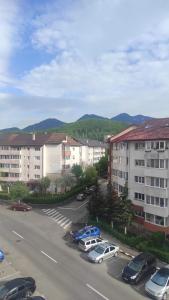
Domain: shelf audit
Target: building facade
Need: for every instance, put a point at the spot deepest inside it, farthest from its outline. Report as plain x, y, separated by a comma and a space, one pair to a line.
140, 157
26, 157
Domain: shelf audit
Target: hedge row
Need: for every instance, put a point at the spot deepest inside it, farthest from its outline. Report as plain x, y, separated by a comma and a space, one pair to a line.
138, 242
53, 199
4, 196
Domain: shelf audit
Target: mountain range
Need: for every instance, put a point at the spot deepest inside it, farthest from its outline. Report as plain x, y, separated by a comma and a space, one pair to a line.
50, 124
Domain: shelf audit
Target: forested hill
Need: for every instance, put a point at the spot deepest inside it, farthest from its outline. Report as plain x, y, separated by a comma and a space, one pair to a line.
93, 129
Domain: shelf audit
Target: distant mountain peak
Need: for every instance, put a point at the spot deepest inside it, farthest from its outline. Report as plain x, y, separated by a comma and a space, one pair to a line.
91, 116
44, 125
126, 118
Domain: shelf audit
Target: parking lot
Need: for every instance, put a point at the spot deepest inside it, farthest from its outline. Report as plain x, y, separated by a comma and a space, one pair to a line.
112, 266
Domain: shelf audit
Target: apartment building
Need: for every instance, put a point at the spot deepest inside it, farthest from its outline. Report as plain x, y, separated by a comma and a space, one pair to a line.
140, 157
28, 157
91, 151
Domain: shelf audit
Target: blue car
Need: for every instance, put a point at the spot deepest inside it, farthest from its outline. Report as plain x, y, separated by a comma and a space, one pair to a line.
2, 255
87, 231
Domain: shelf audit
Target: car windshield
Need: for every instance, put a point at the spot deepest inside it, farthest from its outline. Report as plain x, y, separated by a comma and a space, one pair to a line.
3, 291
160, 278
81, 231
99, 249
135, 266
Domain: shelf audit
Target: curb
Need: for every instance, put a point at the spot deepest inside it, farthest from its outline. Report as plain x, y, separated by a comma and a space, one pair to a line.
126, 253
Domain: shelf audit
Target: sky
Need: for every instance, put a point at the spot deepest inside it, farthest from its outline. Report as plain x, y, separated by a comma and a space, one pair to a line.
66, 58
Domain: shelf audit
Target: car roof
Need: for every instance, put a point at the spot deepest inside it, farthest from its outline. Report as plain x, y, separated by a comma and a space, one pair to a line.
143, 256
164, 271
106, 244
90, 227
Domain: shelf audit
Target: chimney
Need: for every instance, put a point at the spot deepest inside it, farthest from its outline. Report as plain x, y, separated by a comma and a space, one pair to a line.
33, 136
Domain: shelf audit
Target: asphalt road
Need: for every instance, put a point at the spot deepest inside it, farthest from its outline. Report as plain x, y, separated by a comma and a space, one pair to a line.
37, 248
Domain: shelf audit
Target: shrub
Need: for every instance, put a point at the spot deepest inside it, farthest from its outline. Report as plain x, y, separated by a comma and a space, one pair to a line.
4, 196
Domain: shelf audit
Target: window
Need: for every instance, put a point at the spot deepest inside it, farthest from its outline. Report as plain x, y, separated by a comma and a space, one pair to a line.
157, 201
157, 182
139, 162
37, 157
139, 196
157, 163
37, 167
154, 219
37, 176
139, 179
139, 213
148, 146
107, 250
37, 148
139, 146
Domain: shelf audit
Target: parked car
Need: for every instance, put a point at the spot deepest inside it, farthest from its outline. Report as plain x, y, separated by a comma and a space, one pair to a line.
90, 242
102, 252
2, 255
20, 206
158, 285
140, 266
17, 288
87, 231
33, 298
80, 197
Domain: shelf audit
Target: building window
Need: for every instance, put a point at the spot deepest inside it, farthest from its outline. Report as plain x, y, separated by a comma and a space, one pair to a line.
37, 176
37, 157
139, 179
139, 196
156, 145
139, 213
139, 162
154, 219
157, 163
37, 148
139, 146
156, 201
157, 182
37, 167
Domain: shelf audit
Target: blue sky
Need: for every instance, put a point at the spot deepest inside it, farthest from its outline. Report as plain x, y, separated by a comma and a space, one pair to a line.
65, 58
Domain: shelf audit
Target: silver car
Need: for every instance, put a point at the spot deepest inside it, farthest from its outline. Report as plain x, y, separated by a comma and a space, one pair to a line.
158, 285
102, 252
90, 242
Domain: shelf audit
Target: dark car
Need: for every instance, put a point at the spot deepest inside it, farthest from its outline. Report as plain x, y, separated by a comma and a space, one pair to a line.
17, 288
140, 266
87, 231
20, 206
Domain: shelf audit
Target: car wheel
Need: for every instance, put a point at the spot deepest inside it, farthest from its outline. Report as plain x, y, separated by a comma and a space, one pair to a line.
28, 293
165, 296
100, 260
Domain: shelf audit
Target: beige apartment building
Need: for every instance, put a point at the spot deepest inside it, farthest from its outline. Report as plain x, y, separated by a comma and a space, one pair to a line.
26, 157
140, 157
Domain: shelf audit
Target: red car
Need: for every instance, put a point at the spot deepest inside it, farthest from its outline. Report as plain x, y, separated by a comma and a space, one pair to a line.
20, 206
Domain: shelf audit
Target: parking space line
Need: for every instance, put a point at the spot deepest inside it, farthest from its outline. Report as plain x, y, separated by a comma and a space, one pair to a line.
96, 291
18, 234
48, 256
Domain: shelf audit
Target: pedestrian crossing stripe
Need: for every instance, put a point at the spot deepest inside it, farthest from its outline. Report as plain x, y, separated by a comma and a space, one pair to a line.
57, 217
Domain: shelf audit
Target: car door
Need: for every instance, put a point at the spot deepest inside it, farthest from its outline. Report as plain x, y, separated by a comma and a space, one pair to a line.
107, 253
93, 243
112, 251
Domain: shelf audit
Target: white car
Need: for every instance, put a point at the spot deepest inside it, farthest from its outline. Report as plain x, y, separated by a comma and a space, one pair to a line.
158, 285
90, 242
102, 252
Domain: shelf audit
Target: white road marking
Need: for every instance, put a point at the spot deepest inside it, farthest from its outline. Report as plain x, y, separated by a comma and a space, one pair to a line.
50, 212
64, 218
45, 209
67, 225
66, 221
18, 234
96, 291
55, 214
49, 256
58, 218
72, 208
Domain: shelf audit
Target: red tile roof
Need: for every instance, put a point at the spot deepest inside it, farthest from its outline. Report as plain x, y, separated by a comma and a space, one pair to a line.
155, 129
26, 139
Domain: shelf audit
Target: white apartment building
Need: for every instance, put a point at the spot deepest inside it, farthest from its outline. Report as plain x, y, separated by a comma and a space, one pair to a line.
91, 151
26, 157
140, 157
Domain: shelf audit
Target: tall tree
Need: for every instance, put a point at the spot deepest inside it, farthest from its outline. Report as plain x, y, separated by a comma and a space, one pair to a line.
90, 175
96, 204
44, 184
77, 171
102, 166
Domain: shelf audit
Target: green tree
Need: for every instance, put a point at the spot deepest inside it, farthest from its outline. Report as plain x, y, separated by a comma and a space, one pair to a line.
44, 184
19, 190
112, 203
102, 166
77, 171
90, 175
68, 180
96, 204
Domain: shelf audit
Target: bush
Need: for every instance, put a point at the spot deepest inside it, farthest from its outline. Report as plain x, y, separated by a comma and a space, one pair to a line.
4, 196
52, 199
